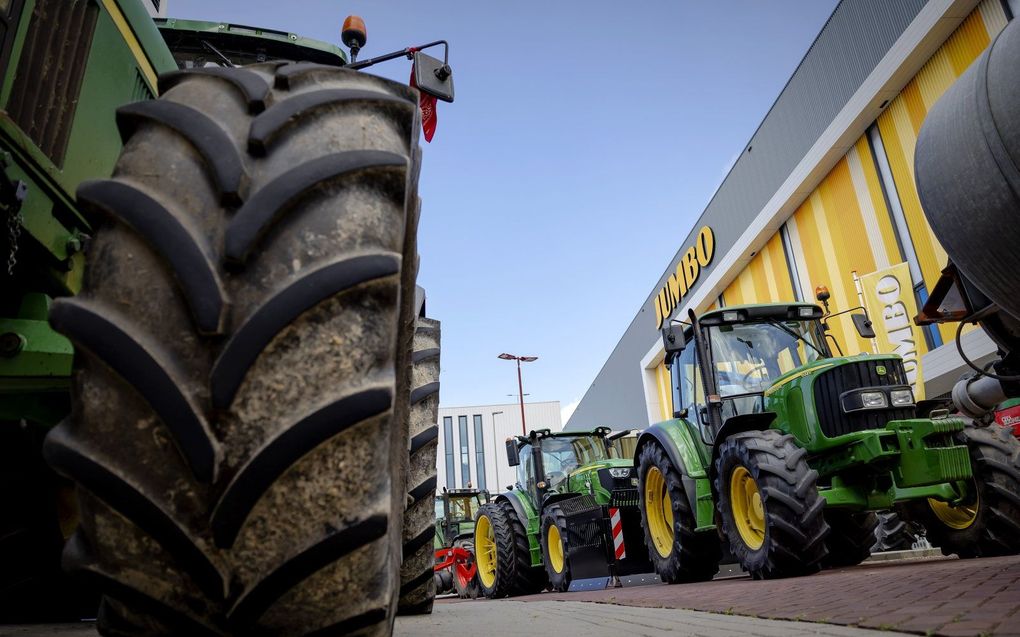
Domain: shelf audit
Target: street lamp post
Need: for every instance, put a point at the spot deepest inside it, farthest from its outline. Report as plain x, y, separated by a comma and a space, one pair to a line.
495, 448
520, 384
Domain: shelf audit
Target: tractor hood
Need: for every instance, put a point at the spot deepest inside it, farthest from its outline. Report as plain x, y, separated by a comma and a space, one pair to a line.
599, 480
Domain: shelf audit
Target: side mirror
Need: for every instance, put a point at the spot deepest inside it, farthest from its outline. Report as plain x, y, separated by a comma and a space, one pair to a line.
513, 456
863, 325
433, 76
673, 339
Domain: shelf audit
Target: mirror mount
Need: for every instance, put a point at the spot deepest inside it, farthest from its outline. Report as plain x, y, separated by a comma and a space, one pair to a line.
432, 76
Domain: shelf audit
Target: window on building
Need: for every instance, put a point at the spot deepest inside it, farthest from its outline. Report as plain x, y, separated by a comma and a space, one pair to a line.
479, 452
465, 456
448, 447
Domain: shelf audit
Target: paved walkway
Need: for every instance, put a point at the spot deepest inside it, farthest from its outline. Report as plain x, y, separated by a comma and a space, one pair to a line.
511, 618
934, 597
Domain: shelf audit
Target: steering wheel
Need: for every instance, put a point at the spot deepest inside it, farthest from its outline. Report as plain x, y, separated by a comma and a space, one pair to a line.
745, 379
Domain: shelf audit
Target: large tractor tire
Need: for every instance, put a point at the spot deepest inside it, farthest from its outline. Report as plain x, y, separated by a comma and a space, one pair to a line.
678, 553
556, 548
987, 522
893, 533
239, 432
503, 553
767, 497
417, 585
851, 536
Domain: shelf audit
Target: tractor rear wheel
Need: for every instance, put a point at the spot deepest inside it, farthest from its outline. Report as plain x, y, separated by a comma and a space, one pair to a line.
851, 536
987, 522
769, 504
556, 548
893, 533
503, 553
678, 553
242, 336
417, 588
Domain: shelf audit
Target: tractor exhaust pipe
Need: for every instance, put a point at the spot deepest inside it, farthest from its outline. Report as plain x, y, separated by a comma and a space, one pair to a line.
977, 396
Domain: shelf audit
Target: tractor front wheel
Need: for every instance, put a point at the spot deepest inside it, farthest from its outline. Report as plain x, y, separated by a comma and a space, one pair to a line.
769, 504
986, 522
556, 548
678, 553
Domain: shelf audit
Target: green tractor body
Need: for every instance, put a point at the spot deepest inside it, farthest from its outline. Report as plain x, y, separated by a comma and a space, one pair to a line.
573, 517
781, 451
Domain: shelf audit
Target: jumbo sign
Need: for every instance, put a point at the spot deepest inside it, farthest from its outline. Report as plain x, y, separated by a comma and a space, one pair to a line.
889, 296
688, 268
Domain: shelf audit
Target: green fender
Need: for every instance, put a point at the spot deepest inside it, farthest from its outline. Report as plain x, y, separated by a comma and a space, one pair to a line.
691, 457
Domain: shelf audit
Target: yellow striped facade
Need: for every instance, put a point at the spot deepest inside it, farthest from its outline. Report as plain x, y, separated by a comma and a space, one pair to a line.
844, 226
901, 122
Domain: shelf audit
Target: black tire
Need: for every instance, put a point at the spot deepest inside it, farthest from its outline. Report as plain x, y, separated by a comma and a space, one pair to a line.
559, 580
444, 581
417, 588
514, 573
692, 556
240, 422
851, 536
35, 506
794, 526
995, 529
893, 533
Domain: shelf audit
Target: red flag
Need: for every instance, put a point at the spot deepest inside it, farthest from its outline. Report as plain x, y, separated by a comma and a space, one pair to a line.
428, 110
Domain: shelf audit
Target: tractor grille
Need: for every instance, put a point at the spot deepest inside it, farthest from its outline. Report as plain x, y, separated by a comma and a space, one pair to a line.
48, 80
624, 498
579, 504
833, 382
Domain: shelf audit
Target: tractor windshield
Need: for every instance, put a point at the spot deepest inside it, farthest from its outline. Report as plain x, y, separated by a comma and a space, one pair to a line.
464, 507
560, 456
748, 357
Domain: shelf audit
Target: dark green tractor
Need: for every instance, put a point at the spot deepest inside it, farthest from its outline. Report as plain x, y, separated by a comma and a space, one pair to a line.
570, 522
783, 453
209, 313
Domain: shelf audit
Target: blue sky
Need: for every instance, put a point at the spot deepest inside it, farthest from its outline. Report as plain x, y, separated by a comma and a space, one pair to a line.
586, 138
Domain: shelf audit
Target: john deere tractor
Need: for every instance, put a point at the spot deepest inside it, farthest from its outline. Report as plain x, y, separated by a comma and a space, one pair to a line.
572, 516
782, 452
209, 264
455, 569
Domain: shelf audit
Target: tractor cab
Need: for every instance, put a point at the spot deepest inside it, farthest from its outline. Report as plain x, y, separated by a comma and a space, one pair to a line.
724, 363
455, 513
546, 461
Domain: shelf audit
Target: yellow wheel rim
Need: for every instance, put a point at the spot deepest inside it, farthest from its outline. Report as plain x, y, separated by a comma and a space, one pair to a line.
955, 517
485, 551
659, 511
748, 510
555, 547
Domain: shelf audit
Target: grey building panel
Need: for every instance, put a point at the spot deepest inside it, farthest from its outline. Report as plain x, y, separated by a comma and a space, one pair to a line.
855, 38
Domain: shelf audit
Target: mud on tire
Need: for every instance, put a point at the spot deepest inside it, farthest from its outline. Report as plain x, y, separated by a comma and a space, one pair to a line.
795, 528
693, 557
417, 585
239, 434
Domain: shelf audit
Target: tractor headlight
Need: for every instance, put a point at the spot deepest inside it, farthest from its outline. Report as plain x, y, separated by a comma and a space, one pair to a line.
901, 398
620, 473
874, 399
852, 401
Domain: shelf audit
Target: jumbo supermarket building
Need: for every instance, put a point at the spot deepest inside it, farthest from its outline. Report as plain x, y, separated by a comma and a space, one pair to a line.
823, 194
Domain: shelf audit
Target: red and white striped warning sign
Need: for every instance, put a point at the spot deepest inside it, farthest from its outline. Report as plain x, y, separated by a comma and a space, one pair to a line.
614, 521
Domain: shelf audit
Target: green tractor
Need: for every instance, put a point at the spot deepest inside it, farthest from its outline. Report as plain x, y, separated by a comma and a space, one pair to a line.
569, 520
781, 453
455, 569
209, 325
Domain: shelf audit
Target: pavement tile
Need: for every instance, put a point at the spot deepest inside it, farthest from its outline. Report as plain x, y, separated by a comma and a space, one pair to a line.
940, 595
